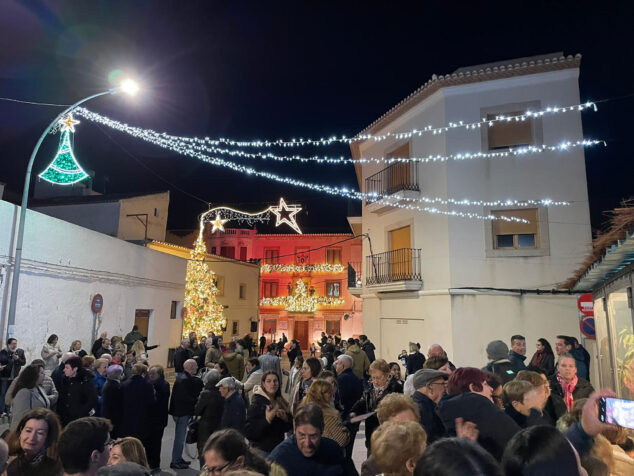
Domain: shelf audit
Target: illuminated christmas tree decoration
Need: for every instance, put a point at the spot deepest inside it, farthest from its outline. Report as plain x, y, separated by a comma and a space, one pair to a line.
218, 224
218, 216
302, 268
203, 312
64, 169
301, 300
290, 218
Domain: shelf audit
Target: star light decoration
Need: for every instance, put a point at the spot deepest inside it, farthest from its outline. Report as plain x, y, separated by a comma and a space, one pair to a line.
290, 219
218, 224
68, 124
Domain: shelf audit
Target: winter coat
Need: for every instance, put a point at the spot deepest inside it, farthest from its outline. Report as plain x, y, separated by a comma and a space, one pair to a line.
51, 355
350, 390
258, 430
581, 356
132, 336
100, 351
77, 397
209, 408
233, 413
185, 394
158, 419
429, 418
293, 354
252, 380
22, 466
534, 419
212, 356
360, 361
180, 356
138, 400
112, 405
334, 428
415, 362
25, 400
368, 403
13, 366
270, 361
57, 376
546, 363
503, 368
495, 427
235, 364
583, 389
99, 381
288, 460
368, 348
517, 360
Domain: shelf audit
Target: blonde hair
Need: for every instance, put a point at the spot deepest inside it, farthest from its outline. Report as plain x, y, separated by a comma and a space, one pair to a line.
380, 365
534, 378
393, 444
393, 404
132, 450
320, 392
138, 348
99, 362
72, 345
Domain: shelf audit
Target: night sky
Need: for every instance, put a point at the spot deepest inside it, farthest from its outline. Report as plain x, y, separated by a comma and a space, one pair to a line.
265, 69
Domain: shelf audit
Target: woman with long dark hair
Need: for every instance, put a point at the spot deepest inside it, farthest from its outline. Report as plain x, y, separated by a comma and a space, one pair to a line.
51, 353
33, 445
311, 368
543, 358
27, 393
268, 416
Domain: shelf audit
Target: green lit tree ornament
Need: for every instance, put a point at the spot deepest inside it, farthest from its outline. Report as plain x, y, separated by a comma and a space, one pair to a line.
64, 169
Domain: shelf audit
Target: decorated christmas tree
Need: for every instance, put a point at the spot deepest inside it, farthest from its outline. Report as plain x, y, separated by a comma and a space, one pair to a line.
64, 169
203, 312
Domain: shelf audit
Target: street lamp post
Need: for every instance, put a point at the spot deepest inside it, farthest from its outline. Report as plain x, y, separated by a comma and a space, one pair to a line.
127, 86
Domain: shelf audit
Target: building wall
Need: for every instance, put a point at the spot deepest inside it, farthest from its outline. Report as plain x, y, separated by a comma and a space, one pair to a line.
155, 205
454, 250
65, 265
100, 217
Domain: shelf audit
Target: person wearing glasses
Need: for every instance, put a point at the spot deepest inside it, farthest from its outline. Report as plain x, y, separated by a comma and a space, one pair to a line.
227, 450
430, 386
307, 451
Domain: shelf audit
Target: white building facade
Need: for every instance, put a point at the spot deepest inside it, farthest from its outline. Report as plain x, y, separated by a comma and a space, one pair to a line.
65, 266
430, 278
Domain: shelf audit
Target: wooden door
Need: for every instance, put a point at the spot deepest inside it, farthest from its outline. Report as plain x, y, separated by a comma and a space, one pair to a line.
301, 334
400, 258
142, 320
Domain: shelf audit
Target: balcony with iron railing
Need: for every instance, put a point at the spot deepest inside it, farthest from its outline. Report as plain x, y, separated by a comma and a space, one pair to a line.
395, 270
355, 281
397, 181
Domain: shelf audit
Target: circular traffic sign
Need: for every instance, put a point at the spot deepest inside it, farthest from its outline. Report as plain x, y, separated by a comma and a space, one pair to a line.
97, 303
587, 327
586, 304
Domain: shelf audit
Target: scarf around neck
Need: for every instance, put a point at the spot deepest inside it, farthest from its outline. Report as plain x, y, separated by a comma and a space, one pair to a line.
568, 388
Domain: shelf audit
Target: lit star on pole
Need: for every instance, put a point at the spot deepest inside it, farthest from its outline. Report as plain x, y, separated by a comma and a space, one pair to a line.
218, 224
280, 212
68, 124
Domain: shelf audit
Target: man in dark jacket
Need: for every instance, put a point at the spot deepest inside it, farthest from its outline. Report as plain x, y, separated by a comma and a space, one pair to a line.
104, 349
262, 344
500, 365
415, 359
367, 347
97, 344
566, 387
517, 354
181, 354
11, 361
581, 355
430, 386
133, 336
158, 416
185, 393
234, 411
112, 400
138, 401
209, 408
78, 396
350, 387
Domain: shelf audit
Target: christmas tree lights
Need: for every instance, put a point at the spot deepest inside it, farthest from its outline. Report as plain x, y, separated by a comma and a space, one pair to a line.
64, 169
203, 312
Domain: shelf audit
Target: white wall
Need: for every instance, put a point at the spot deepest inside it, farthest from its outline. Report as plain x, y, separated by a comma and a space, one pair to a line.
65, 265
101, 217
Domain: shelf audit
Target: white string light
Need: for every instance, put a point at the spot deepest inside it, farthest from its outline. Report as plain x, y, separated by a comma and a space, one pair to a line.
178, 146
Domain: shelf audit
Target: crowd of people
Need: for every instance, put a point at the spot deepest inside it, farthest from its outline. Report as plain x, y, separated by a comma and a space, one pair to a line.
105, 411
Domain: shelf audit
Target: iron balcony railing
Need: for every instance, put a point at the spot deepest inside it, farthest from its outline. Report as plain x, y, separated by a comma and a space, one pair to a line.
397, 265
394, 178
354, 275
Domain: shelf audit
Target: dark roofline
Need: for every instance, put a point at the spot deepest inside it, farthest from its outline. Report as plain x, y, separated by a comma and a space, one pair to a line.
88, 199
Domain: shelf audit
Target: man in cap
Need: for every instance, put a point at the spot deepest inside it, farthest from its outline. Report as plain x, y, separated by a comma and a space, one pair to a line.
499, 363
430, 386
234, 411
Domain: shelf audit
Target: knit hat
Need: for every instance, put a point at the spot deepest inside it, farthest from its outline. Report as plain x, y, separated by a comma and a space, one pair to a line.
423, 376
497, 350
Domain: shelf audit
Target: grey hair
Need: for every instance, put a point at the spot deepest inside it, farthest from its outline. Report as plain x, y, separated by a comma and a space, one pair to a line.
115, 372
212, 376
343, 358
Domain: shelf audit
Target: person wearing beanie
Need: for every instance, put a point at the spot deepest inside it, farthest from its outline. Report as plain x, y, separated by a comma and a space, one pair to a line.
499, 363
430, 386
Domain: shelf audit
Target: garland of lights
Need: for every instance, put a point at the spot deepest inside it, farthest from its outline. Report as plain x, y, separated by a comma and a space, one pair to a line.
203, 312
511, 151
220, 215
160, 140
302, 300
64, 168
528, 114
303, 268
